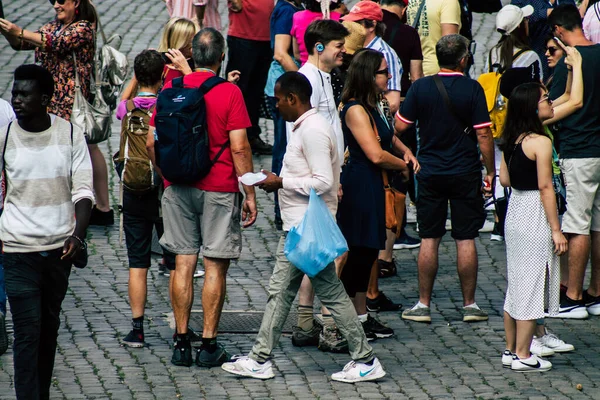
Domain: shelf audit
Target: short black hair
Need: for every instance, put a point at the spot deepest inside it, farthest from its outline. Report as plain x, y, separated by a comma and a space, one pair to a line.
42, 77
323, 31
392, 3
450, 49
207, 47
567, 16
148, 67
379, 28
296, 83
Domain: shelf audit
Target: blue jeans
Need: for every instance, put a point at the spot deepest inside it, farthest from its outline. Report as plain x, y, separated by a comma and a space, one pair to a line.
279, 145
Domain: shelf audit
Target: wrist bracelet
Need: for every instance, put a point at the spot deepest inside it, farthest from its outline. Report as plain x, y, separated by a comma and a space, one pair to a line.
81, 242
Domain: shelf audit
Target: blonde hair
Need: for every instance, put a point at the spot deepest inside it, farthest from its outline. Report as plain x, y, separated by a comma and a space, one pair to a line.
178, 33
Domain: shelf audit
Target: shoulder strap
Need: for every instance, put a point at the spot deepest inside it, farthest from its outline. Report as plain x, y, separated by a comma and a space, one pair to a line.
417, 20
519, 53
130, 105
3, 163
177, 82
211, 83
490, 67
442, 89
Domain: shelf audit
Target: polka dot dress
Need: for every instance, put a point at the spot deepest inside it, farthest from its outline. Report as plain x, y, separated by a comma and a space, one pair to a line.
532, 267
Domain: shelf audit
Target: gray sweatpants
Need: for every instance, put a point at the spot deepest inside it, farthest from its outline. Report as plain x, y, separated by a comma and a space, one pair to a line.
283, 287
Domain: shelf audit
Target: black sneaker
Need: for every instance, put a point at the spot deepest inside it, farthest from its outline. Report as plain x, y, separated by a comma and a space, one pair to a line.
193, 336
377, 328
133, 339
102, 218
406, 242
182, 354
572, 309
259, 147
368, 333
386, 268
3, 334
302, 338
382, 303
215, 359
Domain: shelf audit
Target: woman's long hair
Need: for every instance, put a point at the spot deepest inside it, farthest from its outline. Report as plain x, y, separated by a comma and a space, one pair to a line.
360, 79
508, 43
86, 12
178, 32
522, 114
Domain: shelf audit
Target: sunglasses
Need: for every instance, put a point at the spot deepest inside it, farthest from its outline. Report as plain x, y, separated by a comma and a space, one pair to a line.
551, 50
61, 2
545, 98
385, 72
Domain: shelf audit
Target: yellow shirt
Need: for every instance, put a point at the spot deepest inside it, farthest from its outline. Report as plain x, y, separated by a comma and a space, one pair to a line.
434, 14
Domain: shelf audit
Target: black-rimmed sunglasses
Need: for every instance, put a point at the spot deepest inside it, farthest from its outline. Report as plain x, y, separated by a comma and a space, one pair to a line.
385, 72
552, 50
61, 2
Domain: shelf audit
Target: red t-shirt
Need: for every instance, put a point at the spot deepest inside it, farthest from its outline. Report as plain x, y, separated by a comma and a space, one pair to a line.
225, 111
253, 22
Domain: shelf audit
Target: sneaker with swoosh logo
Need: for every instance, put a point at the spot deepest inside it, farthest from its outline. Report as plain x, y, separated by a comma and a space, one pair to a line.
531, 364
360, 372
245, 366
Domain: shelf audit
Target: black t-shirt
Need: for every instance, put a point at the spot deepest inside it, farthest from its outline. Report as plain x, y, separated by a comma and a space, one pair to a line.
444, 148
579, 134
406, 43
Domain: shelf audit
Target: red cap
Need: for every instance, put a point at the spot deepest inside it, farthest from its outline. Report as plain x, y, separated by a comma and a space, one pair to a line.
405, 2
364, 10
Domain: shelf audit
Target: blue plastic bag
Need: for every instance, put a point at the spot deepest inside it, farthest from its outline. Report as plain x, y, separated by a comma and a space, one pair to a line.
316, 241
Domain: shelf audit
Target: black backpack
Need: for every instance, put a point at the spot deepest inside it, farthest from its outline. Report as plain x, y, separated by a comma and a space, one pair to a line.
182, 148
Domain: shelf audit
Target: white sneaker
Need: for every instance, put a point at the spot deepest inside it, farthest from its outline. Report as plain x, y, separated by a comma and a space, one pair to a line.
488, 226
551, 341
245, 366
538, 348
199, 273
507, 358
358, 372
531, 364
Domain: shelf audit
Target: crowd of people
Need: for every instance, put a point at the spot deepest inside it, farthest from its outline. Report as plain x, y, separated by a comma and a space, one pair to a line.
368, 102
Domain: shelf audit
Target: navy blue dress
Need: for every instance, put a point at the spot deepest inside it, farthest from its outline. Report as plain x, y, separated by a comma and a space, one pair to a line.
361, 214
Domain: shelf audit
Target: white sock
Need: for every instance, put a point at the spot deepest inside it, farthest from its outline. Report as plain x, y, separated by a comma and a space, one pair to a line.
474, 305
363, 318
419, 305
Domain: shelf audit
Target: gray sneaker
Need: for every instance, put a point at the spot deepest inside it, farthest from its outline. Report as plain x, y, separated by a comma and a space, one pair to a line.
471, 314
417, 314
331, 340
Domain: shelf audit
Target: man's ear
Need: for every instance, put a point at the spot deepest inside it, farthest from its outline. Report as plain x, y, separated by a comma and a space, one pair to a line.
292, 98
45, 99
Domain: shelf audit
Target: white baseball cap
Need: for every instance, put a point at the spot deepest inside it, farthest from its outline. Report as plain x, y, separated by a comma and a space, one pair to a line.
510, 17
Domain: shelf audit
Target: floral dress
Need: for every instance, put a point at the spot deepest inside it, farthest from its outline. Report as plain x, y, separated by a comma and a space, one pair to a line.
56, 55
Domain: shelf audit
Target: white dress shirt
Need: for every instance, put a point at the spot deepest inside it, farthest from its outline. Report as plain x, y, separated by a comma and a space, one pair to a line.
311, 161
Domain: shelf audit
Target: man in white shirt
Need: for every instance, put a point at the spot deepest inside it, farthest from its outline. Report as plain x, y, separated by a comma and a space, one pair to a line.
311, 161
324, 41
46, 213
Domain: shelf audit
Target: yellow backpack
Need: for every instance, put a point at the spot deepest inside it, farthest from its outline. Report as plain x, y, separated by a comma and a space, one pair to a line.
496, 103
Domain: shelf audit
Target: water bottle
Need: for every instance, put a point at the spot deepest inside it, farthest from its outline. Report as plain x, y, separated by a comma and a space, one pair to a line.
500, 103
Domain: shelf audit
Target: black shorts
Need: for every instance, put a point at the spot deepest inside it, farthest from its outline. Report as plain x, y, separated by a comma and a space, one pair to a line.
140, 216
466, 205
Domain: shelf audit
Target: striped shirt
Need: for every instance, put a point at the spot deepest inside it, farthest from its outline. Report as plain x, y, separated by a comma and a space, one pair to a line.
46, 175
392, 60
591, 23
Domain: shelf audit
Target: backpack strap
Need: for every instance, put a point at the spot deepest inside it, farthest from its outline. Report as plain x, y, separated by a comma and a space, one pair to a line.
3, 162
211, 83
519, 53
417, 20
177, 82
130, 105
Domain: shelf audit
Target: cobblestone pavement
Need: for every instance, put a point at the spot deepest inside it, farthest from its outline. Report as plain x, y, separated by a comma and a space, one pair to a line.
446, 359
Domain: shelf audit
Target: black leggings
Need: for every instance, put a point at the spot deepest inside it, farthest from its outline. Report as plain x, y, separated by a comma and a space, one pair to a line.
356, 272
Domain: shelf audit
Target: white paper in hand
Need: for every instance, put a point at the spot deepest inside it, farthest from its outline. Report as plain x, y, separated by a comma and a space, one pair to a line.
250, 179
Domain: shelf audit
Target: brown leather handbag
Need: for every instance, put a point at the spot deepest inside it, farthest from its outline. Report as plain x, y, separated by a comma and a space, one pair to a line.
394, 200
